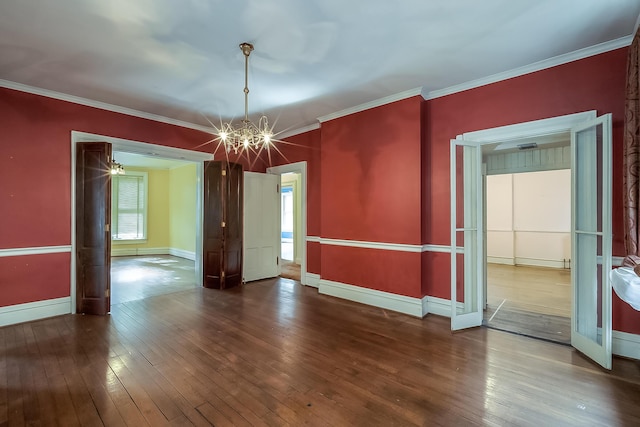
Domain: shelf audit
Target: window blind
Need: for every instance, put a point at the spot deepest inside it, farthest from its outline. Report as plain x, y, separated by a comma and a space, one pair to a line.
128, 216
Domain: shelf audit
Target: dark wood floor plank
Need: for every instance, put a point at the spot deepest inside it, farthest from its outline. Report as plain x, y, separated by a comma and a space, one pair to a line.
275, 353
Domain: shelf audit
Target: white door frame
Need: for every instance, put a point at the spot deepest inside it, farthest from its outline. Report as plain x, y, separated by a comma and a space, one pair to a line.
554, 125
146, 149
300, 168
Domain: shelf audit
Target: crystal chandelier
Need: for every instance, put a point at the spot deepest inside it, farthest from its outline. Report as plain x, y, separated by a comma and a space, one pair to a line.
246, 135
116, 168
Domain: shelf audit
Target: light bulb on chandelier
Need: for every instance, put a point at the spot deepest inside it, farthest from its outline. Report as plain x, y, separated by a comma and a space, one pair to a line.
246, 135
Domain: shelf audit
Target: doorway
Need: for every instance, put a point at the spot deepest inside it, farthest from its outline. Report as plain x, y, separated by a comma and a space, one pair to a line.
528, 256
290, 224
143, 149
589, 156
153, 227
295, 175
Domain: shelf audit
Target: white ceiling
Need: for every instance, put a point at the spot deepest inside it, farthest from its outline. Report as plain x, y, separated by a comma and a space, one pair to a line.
147, 162
180, 58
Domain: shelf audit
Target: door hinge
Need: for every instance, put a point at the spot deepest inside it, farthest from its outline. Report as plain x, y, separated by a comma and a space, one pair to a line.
224, 172
277, 188
107, 293
223, 225
277, 260
107, 227
222, 275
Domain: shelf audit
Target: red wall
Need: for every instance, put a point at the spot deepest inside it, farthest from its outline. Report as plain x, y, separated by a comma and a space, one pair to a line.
370, 191
595, 83
35, 183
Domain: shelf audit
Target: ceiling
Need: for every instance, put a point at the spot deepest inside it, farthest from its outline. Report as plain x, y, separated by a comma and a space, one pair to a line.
180, 59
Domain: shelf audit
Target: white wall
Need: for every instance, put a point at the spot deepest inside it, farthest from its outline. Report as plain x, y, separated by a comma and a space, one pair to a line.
529, 218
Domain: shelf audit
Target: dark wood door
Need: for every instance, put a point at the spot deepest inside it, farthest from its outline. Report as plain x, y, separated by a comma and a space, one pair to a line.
222, 246
234, 226
213, 236
93, 236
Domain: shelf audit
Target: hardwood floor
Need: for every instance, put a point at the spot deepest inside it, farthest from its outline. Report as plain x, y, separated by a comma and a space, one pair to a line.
138, 277
277, 353
532, 301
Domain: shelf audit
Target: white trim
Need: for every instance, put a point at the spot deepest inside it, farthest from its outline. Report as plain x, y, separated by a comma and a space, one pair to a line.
437, 306
445, 249
532, 68
625, 344
313, 280
535, 262
616, 261
541, 127
30, 311
299, 168
313, 239
372, 104
137, 147
372, 245
500, 260
385, 300
140, 251
289, 133
102, 105
143, 148
182, 253
40, 250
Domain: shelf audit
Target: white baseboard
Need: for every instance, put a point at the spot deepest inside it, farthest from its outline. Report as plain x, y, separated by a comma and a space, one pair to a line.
500, 260
182, 253
386, 300
313, 280
30, 311
438, 306
154, 251
550, 263
625, 344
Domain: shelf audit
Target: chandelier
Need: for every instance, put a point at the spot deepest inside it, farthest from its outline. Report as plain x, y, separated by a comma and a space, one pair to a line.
116, 168
246, 135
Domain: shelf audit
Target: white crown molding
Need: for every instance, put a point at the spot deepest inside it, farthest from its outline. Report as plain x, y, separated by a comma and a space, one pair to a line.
30, 311
101, 105
290, 133
531, 68
372, 104
35, 251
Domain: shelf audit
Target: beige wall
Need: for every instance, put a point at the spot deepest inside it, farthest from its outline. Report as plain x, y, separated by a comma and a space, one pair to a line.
529, 218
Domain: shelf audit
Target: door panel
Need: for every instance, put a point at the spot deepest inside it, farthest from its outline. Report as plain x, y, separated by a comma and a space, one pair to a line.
233, 232
262, 226
222, 231
93, 219
466, 235
591, 239
213, 238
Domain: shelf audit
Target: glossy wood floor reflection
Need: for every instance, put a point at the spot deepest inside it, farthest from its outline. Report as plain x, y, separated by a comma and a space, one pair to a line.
532, 301
276, 353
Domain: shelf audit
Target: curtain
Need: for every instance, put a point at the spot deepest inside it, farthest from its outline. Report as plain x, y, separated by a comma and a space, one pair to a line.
631, 150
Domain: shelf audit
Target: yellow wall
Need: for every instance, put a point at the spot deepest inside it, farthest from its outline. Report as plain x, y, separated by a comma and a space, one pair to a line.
182, 207
157, 212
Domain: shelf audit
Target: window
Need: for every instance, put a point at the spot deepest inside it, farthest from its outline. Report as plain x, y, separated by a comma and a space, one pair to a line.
129, 206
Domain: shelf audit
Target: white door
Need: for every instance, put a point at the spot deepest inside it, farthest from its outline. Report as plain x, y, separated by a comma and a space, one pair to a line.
466, 235
261, 226
591, 239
